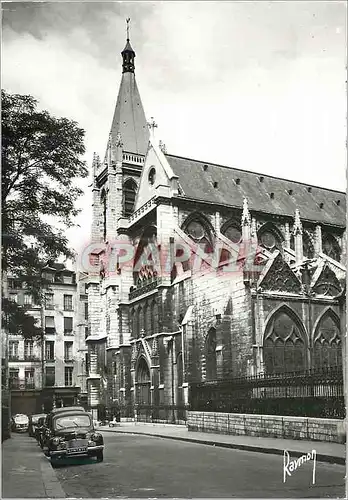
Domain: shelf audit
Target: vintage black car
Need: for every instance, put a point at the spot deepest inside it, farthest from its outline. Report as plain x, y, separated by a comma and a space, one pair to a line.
19, 423
33, 421
45, 434
72, 434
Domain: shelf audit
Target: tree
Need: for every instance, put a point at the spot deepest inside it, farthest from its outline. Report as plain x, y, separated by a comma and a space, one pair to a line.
41, 162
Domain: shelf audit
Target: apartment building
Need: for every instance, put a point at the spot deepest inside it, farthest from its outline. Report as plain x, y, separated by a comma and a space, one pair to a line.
52, 370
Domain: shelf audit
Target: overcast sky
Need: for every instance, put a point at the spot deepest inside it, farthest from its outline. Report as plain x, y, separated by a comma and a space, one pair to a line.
255, 85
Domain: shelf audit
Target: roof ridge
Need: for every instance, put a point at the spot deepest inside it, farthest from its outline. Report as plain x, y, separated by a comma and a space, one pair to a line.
256, 173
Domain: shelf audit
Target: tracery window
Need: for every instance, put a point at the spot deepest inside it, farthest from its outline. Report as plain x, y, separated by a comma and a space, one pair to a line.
146, 259
284, 347
331, 247
308, 247
134, 323
154, 317
200, 234
233, 233
270, 240
129, 193
210, 354
327, 343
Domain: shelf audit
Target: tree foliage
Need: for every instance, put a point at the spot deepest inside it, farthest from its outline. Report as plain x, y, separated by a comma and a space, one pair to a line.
41, 163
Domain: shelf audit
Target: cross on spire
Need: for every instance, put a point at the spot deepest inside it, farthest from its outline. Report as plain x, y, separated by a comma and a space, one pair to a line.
152, 125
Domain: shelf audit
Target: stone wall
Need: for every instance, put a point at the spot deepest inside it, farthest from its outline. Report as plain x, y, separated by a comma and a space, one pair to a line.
316, 429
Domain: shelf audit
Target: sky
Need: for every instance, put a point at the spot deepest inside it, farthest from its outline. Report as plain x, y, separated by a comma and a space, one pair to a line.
255, 85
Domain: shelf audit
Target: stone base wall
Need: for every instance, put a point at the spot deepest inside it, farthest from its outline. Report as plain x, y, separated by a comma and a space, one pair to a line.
316, 429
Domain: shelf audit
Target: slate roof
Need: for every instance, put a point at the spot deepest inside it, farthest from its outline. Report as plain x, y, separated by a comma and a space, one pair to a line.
197, 179
129, 117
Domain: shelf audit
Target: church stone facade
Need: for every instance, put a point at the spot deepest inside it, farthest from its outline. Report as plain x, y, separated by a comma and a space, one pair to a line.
200, 271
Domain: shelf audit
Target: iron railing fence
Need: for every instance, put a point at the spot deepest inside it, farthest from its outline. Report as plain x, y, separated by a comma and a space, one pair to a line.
310, 393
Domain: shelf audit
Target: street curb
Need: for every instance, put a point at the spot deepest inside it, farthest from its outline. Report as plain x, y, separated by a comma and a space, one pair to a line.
51, 482
244, 447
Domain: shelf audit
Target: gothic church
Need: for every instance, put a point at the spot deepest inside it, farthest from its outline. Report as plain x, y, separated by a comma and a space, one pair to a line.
152, 331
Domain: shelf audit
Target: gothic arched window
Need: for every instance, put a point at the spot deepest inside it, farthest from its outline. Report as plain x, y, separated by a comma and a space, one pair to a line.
133, 321
154, 316
327, 342
308, 248
331, 247
284, 346
233, 233
129, 193
199, 232
146, 258
210, 354
270, 238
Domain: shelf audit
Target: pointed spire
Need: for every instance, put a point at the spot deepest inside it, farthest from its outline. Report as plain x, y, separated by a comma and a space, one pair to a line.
128, 54
297, 223
246, 219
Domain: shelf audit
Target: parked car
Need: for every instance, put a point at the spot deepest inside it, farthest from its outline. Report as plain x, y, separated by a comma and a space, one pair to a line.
48, 422
39, 430
19, 423
33, 421
72, 434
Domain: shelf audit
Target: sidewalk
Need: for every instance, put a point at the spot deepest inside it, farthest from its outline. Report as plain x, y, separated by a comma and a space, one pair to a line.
26, 472
326, 452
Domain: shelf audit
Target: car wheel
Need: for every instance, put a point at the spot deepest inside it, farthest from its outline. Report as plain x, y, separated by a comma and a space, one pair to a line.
54, 462
100, 456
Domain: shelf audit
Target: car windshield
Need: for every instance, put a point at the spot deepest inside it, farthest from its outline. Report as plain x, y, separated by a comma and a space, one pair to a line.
77, 420
35, 418
21, 418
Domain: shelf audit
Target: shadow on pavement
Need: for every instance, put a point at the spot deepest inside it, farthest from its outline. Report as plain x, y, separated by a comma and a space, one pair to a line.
71, 461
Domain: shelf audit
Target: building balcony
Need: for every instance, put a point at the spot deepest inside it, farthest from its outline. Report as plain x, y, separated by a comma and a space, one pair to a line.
18, 384
68, 359
29, 384
14, 383
31, 357
50, 331
68, 332
13, 357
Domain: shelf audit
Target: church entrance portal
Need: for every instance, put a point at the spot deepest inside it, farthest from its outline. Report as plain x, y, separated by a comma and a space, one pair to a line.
142, 390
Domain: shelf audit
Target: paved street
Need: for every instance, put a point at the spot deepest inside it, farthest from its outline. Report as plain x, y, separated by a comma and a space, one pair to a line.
138, 466
142, 466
